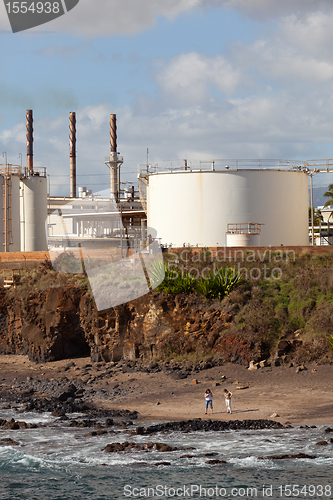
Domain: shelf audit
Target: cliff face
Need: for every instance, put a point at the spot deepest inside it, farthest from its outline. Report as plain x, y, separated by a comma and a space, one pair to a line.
63, 322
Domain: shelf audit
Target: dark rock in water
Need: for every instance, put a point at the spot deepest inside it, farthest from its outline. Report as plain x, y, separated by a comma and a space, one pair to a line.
210, 454
328, 429
321, 443
215, 462
283, 457
126, 423
15, 425
211, 425
10, 425
157, 464
97, 433
138, 465
82, 423
8, 442
109, 422
59, 413
130, 446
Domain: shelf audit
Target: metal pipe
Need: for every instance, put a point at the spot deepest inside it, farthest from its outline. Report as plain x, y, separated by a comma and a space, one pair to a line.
30, 162
72, 153
312, 218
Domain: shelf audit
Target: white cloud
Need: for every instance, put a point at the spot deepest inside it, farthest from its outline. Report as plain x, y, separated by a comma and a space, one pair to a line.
311, 35
129, 17
114, 17
188, 78
263, 9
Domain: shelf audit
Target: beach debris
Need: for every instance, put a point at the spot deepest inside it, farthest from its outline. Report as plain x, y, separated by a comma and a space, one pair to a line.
242, 387
264, 363
300, 368
216, 384
274, 415
194, 381
223, 377
158, 403
253, 366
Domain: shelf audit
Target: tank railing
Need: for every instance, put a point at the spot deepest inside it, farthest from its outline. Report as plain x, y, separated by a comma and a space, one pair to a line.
38, 172
317, 165
229, 164
10, 169
244, 228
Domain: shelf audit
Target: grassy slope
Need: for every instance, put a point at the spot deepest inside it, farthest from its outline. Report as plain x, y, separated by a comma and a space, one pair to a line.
279, 295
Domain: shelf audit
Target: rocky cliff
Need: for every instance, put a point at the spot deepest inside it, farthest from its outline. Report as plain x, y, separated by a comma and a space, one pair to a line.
63, 322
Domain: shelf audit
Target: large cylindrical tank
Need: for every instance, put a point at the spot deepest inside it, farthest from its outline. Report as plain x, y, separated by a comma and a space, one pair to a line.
194, 208
13, 213
33, 214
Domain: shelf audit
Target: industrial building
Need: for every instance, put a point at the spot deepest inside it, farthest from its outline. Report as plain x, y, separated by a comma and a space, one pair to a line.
247, 204
230, 202
206, 204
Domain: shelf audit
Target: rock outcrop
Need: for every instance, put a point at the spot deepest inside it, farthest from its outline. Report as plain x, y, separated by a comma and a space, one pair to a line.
63, 322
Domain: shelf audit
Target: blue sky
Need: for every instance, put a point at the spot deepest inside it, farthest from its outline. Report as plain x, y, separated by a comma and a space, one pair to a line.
195, 79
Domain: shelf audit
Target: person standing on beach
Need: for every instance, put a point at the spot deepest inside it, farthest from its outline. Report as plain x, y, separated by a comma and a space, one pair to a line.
227, 397
208, 400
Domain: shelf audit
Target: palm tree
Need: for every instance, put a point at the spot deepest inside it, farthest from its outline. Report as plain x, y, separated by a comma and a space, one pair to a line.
329, 194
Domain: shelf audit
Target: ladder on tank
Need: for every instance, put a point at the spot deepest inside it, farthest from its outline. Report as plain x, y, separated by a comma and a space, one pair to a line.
7, 212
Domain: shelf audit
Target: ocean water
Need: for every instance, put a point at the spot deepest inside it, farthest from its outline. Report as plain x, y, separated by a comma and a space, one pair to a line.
59, 462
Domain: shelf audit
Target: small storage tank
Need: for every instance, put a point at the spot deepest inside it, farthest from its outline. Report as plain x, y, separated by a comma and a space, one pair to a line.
195, 207
10, 203
33, 214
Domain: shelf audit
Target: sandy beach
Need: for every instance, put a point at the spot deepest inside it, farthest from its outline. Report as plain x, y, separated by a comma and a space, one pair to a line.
279, 393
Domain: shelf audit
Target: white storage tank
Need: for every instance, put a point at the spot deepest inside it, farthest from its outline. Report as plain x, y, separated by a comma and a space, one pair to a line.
12, 201
194, 207
33, 214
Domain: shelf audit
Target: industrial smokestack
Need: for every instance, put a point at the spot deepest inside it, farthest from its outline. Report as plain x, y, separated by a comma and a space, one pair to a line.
30, 155
113, 157
113, 133
72, 153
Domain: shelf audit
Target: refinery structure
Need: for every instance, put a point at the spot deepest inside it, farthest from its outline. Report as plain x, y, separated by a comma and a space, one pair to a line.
216, 203
24, 203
